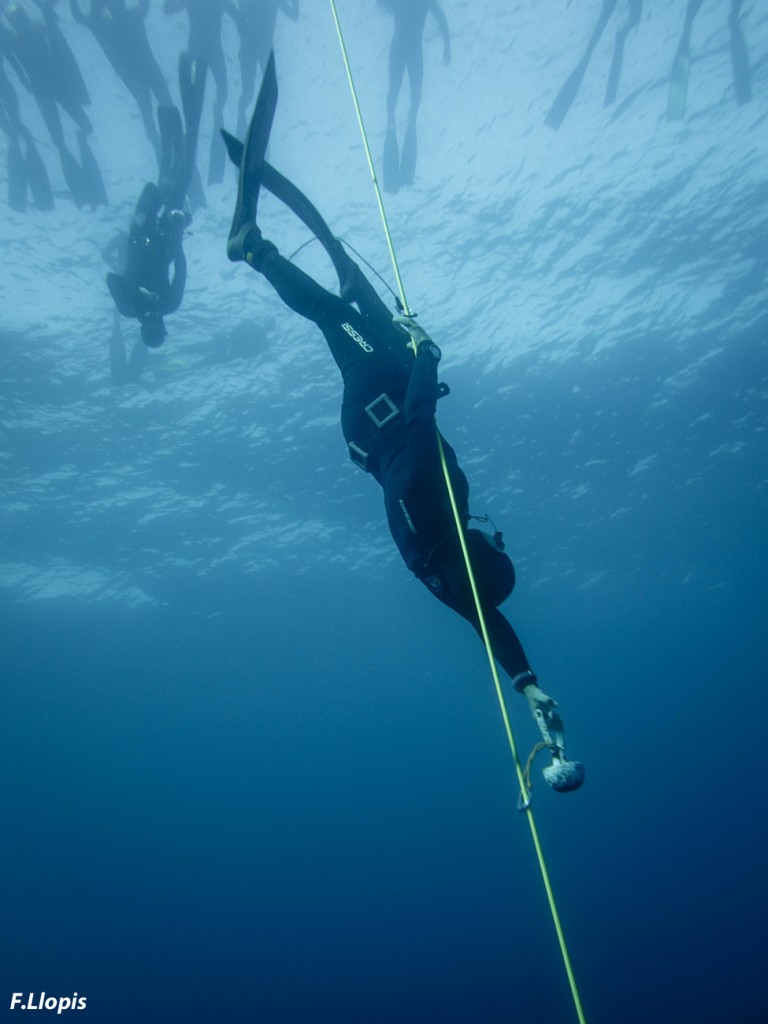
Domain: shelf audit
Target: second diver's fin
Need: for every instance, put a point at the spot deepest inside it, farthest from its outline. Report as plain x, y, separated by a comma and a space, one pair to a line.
252, 161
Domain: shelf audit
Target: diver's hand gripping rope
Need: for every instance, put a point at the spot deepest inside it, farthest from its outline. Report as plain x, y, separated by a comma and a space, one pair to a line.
416, 331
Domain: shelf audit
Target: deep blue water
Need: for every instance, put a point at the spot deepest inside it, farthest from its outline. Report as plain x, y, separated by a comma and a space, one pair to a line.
251, 771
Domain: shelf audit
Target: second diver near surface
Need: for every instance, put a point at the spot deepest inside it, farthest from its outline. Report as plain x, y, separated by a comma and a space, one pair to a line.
389, 372
145, 290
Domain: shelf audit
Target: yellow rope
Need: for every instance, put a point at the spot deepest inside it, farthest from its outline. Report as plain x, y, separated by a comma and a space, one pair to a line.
371, 168
460, 528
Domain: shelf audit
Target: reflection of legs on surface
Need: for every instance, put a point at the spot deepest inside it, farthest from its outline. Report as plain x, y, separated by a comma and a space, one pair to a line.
742, 78
677, 96
217, 159
569, 90
635, 10
171, 147
415, 81
391, 149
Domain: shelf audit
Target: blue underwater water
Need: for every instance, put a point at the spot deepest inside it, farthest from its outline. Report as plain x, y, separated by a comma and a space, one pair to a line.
251, 771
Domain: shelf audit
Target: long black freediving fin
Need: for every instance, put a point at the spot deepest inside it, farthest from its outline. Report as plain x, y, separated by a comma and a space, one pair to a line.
252, 159
292, 197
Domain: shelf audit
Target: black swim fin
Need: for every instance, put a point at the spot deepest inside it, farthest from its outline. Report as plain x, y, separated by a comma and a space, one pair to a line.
252, 160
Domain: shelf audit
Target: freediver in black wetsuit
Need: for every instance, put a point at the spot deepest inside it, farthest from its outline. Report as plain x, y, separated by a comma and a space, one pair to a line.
256, 20
55, 81
205, 23
121, 34
145, 290
389, 372
26, 170
405, 54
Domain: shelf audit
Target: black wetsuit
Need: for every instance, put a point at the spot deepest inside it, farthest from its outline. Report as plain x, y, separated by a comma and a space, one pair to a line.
154, 244
388, 421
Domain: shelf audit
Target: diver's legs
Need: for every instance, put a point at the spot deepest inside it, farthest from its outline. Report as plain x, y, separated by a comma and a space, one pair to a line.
391, 161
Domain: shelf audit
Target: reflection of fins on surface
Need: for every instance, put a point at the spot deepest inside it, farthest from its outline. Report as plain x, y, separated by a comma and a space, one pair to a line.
192, 75
171, 146
37, 176
252, 158
678, 88
391, 160
93, 183
566, 96
17, 178
742, 78
74, 177
568, 92
71, 82
408, 158
217, 160
193, 72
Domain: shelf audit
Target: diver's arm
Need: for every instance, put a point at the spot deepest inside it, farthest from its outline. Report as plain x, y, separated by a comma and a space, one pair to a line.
506, 645
422, 394
123, 295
